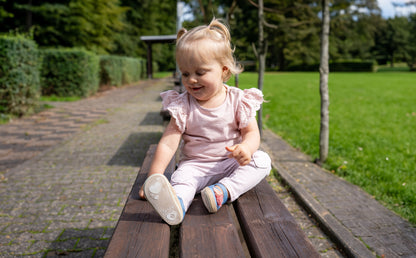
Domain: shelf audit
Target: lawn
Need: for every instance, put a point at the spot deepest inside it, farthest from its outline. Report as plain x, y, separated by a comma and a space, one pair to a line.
372, 127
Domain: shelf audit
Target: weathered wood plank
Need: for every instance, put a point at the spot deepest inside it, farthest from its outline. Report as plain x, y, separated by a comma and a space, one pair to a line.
209, 235
269, 229
140, 232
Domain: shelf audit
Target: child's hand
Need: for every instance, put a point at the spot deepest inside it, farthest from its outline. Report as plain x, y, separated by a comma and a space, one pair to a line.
141, 193
241, 153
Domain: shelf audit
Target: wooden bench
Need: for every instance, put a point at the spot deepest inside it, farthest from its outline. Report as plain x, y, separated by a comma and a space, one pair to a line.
256, 225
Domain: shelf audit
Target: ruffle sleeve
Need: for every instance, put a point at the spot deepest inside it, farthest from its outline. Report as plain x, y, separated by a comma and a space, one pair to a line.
251, 101
175, 104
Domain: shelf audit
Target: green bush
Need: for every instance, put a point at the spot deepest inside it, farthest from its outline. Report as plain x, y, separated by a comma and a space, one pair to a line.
339, 66
131, 70
110, 70
69, 72
118, 70
19, 75
352, 66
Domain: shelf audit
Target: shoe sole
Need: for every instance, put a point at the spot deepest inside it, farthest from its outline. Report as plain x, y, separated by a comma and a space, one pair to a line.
160, 194
208, 198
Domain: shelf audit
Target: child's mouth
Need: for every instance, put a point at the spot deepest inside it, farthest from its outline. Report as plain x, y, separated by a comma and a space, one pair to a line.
196, 88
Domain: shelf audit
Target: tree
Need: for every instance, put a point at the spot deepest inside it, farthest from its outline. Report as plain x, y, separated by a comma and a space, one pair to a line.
324, 71
3, 13
353, 27
112, 26
410, 48
261, 56
69, 23
392, 39
144, 18
93, 24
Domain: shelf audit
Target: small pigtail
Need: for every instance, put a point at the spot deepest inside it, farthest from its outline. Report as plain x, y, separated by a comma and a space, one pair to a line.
181, 32
220, 28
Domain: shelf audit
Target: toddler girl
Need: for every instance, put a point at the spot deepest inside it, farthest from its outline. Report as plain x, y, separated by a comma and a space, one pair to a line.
220, 156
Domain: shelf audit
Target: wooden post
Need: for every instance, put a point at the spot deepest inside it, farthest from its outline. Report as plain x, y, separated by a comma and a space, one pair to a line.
149, 61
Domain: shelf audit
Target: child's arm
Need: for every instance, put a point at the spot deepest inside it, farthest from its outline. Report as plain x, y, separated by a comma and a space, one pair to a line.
251, 141
165, 150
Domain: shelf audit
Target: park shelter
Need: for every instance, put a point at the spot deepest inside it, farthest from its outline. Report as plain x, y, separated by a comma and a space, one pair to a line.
149, 40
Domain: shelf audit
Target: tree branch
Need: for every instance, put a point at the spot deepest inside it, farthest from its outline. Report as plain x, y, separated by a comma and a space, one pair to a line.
270, 25
270, 10
255, 50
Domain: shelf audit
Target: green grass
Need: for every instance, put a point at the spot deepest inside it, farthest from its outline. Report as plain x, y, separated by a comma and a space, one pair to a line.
372, 127
159, 75
54, 98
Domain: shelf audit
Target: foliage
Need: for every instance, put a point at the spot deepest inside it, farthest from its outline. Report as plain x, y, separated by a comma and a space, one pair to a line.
4, 13
110, 70
372, 140
118, 70
69, 72
293, 29
410, 48
393, 39
19, 75
114, 27
93, 24
144, 18
352, 30
133, 69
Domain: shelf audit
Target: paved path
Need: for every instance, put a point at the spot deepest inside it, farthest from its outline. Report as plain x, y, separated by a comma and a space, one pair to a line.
66, 198
65, 174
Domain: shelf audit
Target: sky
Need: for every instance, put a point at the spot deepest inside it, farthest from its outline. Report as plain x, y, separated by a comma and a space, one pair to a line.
389, 11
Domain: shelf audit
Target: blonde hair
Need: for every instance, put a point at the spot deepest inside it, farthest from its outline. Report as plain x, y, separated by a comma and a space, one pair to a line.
188, 42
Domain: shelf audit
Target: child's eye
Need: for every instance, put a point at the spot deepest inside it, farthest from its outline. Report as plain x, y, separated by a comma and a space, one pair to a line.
185, 74
200, 73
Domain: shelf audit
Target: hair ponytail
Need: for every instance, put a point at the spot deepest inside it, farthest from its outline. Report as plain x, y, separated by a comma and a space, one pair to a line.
181, 32
221, 28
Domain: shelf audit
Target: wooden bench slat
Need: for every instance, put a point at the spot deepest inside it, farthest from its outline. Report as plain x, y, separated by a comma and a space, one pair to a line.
269, 228
139, 227
209, 235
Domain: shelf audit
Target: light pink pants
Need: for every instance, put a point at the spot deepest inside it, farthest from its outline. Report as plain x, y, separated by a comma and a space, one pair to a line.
193, 176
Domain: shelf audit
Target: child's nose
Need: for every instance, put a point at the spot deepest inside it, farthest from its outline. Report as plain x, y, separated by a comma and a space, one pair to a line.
192, 79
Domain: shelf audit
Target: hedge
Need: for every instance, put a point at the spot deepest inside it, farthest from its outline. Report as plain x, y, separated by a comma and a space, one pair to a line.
118, 70
19, 75
69, 72
339, 66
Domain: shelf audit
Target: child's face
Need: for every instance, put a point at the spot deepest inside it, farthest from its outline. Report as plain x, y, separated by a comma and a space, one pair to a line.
202, 79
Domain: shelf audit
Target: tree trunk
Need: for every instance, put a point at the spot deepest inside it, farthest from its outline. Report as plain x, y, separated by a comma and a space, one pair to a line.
262, 61
29, 16
324, 72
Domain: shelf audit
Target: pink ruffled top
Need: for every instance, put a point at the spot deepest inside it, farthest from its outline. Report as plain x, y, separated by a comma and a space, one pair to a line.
206, 132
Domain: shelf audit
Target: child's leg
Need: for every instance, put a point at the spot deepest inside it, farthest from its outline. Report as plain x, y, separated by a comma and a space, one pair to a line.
192, 176
160, 194
246, 177
186, 181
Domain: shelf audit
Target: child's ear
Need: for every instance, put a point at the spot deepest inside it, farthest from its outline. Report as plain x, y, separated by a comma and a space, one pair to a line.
225, 72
